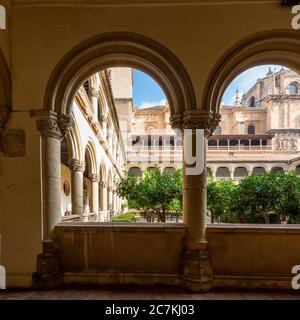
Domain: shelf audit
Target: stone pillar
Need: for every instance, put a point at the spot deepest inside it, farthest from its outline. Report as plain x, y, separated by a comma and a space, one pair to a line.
53, 128
104, 196
232, 174
196, 125
95, 192
77, 168
94, 96
213, 173
104, 121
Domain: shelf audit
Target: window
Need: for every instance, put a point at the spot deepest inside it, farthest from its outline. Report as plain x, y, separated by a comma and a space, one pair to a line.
252, 102
251, 130
293, 89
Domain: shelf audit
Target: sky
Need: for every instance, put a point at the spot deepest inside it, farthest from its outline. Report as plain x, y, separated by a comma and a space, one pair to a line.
147, 93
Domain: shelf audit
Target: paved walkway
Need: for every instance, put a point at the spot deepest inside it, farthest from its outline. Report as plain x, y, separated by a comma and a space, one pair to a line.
145, 293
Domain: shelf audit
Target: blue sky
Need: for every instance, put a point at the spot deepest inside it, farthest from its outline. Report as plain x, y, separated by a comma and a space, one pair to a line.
245, 81
147, 93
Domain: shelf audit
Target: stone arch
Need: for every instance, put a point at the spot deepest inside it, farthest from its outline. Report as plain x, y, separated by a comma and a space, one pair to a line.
136, 171
119, 49
90, 156
278, 169
5, 91
280, 47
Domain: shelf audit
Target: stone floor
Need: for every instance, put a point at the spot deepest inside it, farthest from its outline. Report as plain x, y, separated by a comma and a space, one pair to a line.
145, 293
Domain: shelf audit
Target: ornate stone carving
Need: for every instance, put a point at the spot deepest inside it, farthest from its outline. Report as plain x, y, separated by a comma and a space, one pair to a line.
77, 165
94, 177
51, 124
65, 124
196, 119
110, 189
13, 143
94, 92
286, 144
49, 127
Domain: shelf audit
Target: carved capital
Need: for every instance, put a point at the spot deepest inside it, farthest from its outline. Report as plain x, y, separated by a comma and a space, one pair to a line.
198, 119
65, 124
94, 92
176, 121
103, 118
47, 123
94, 177
77, 165
103, 184
110, 189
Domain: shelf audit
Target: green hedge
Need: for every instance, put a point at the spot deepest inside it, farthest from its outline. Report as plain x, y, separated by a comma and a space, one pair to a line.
127, 217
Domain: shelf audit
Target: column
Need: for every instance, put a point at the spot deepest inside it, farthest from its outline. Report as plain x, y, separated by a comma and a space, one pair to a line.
95, 192
213, 173
231, 174
94, 96
197, 127
104, 196
104, 121
77, 169
53, 128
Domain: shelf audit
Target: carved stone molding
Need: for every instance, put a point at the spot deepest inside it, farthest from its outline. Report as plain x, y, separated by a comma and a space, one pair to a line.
196, 119
77, 165
94, 177
51, 124
65, 124
286, 144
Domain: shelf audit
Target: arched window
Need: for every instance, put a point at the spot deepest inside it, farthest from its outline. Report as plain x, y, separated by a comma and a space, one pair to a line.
135, 171
251, 130
218, 131
252, 102
293, 89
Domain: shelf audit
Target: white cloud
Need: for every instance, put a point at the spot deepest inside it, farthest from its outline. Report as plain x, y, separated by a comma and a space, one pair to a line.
150, 104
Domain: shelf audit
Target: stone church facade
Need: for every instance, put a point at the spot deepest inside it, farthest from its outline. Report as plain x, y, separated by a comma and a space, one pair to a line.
259, 133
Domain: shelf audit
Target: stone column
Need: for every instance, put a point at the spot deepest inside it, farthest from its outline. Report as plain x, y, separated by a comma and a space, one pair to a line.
95, 192
213, 173
94, 96
231, 174
77, 168
104, 196
53, 128
197, 126
104, 121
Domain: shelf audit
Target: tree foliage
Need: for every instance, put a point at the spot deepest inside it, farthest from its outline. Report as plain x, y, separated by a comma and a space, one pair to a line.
156, 194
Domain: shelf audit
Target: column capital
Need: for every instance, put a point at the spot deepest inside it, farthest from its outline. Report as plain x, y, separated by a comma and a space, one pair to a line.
77, 165
51, 124
197, 119
94, 93
103, 118
110, 189
94, 177
103, 184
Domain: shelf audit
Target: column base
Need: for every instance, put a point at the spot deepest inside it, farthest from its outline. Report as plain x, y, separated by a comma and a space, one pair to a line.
198, 275
49, 263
